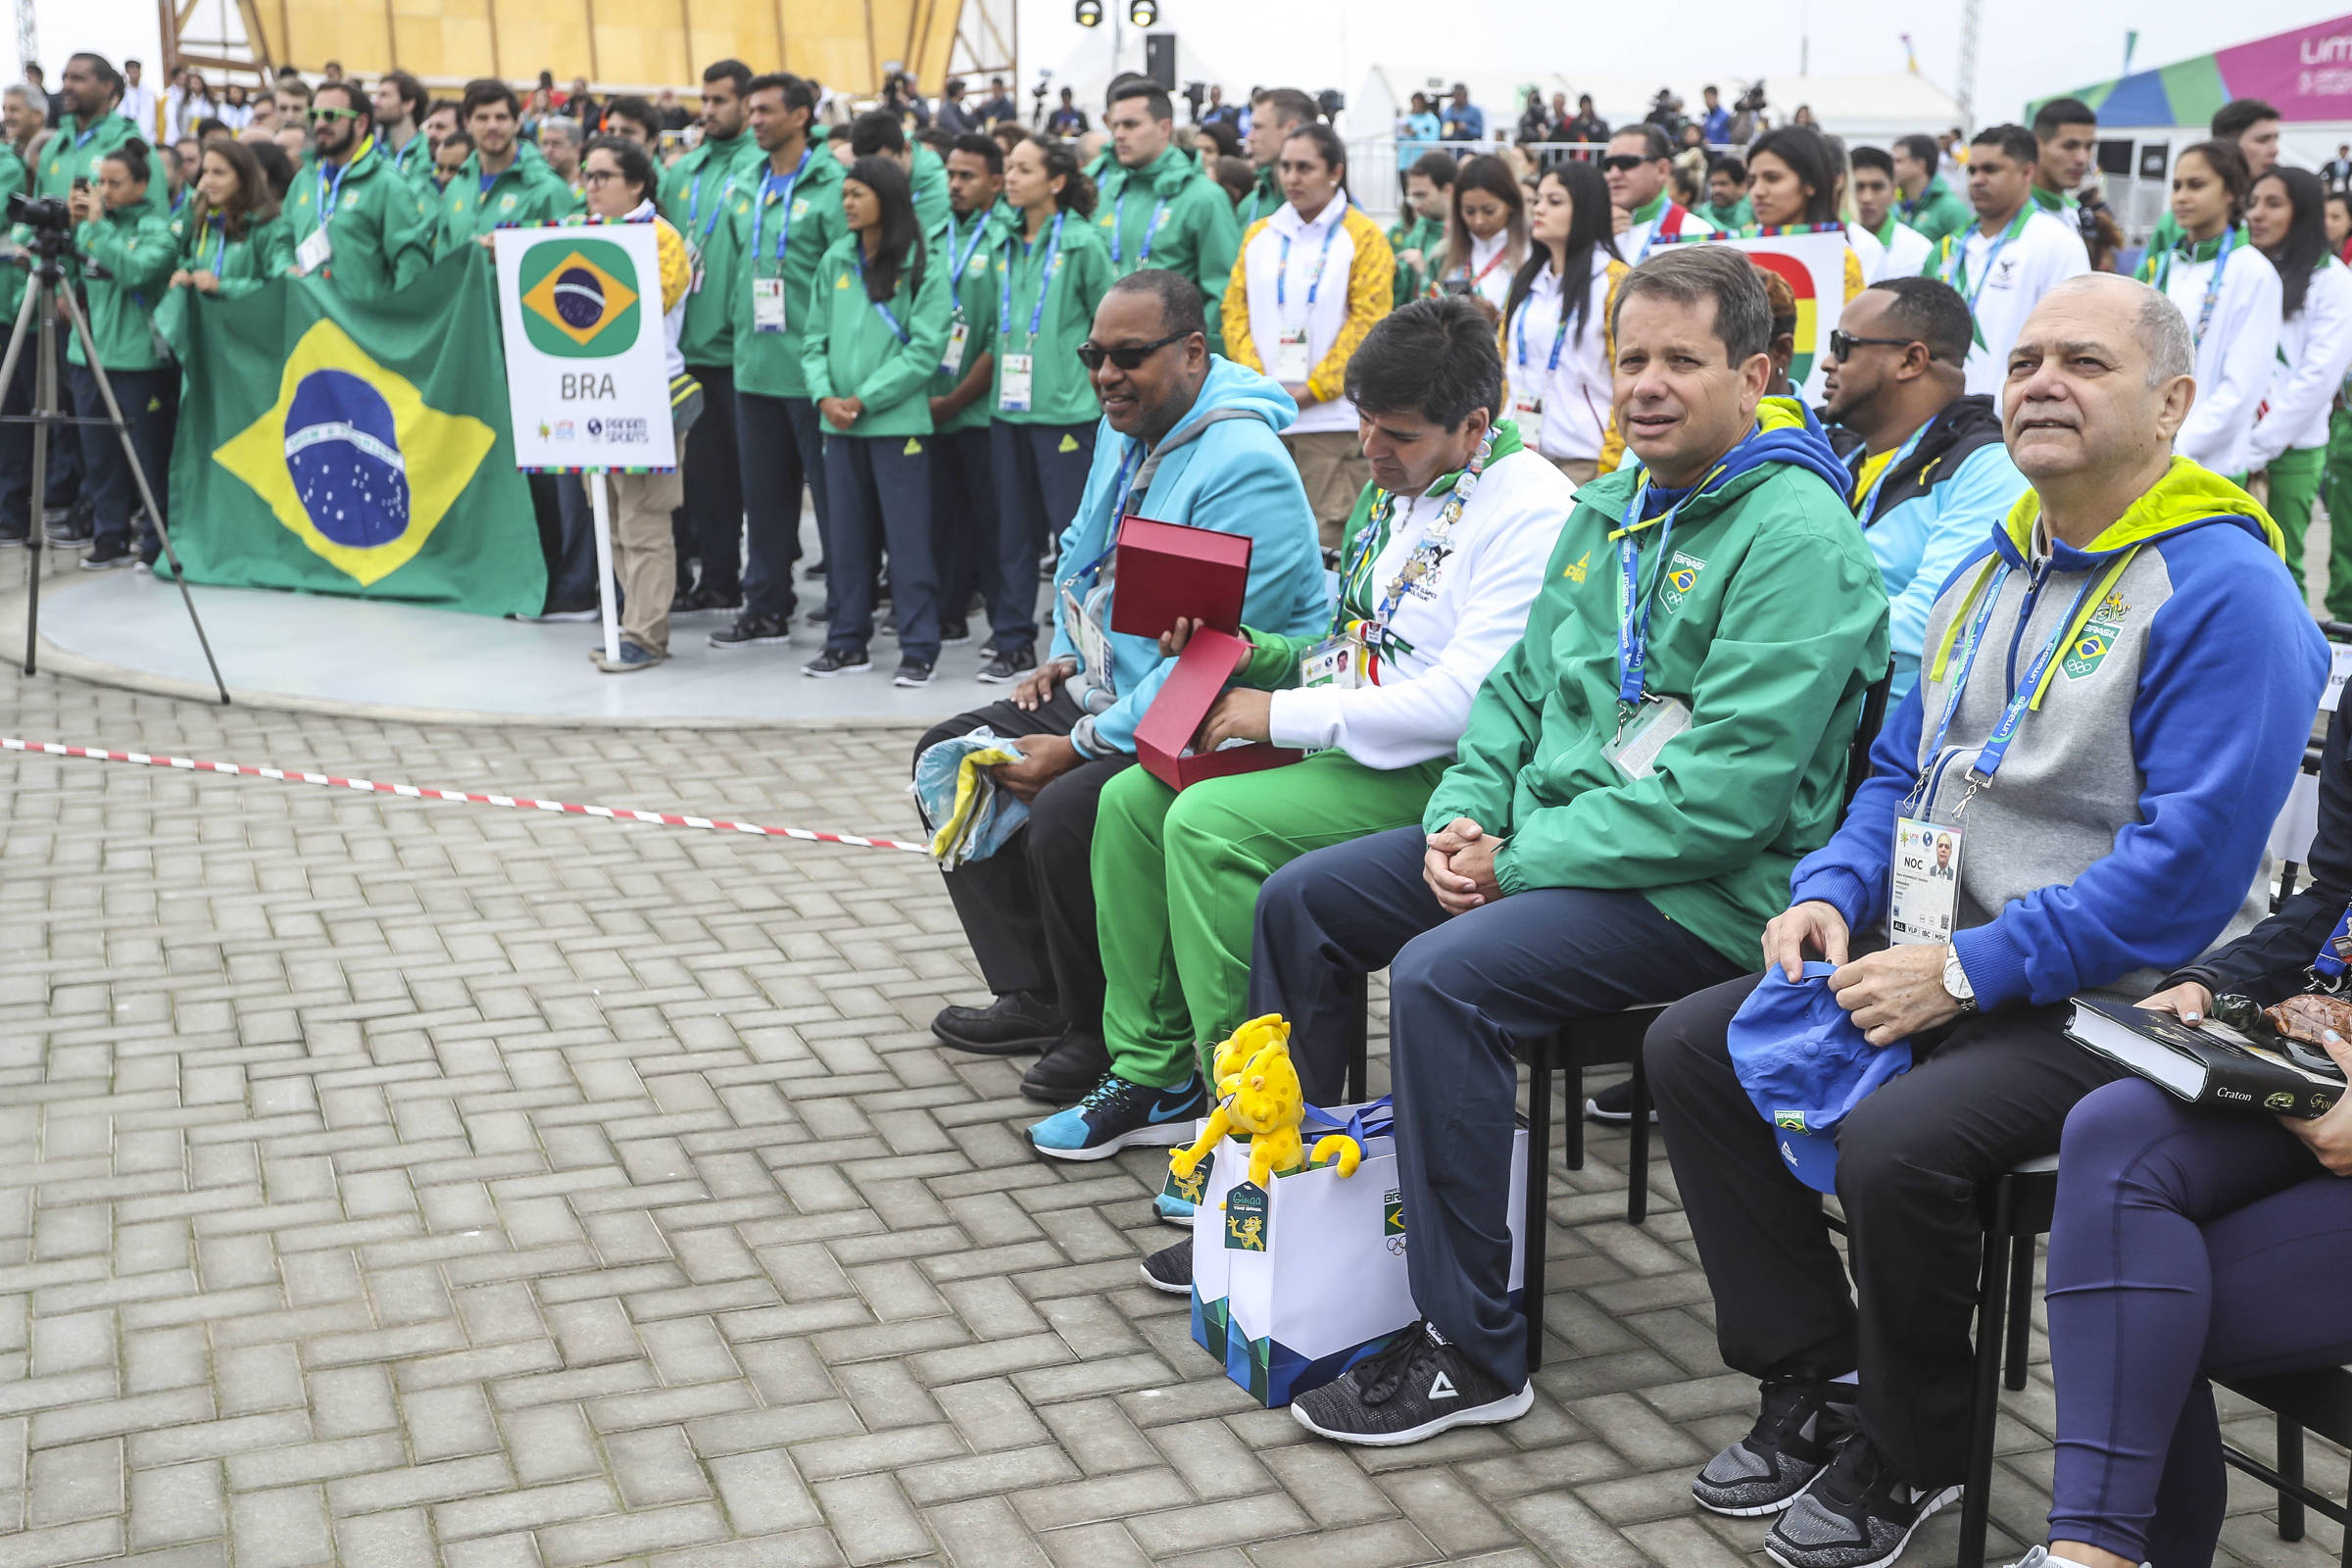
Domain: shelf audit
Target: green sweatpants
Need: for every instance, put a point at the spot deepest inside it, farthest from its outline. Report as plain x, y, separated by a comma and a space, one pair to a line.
2294, 486
2336, 492
1176, 880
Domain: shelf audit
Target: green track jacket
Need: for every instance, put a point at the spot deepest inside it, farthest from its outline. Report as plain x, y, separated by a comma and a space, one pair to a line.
770, 363
1769, 622
852, 351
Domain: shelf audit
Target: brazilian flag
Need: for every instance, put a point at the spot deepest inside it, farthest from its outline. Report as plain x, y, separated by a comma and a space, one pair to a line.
356, 449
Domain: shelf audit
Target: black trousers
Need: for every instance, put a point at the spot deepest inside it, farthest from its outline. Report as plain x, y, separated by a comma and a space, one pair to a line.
1029, 909
963, 520
1463, 990
1989, 1092
713, 509
783, 451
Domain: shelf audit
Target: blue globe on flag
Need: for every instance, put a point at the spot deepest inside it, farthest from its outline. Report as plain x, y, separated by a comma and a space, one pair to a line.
343, 455
579, 298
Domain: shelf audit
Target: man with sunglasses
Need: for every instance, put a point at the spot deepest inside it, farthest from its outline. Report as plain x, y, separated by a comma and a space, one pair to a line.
1640, 169
356, 222
1187, 437
1931, 478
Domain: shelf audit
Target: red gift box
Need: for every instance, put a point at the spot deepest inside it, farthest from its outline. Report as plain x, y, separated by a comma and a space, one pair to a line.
1166, 571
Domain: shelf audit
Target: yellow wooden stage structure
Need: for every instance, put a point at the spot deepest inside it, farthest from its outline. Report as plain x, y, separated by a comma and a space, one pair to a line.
618, 45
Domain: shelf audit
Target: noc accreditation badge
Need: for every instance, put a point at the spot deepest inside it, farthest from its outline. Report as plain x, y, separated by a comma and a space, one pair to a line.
1644, 735
313, 253
767, 304
1291, 361
1343, 663
1527, 407
1012, 389
959, 333
1924, 894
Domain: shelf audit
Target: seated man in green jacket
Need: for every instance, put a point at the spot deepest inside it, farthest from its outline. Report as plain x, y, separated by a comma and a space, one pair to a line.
1640, 774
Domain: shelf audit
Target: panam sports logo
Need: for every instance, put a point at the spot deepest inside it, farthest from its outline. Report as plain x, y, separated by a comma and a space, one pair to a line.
579, 298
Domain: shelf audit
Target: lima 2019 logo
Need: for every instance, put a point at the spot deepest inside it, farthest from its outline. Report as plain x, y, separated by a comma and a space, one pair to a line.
579, 298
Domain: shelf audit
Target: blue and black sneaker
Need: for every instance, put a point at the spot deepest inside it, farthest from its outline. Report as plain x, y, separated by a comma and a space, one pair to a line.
1117, 1114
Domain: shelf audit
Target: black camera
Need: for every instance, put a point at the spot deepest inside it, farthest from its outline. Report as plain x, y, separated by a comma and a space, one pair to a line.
1750, 101
40, 213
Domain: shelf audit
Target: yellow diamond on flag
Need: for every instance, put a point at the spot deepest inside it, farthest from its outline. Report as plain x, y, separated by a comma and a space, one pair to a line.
352, 460
542, 301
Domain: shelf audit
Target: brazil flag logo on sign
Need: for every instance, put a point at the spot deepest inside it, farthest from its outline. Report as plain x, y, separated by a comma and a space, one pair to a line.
351, 460
579, 298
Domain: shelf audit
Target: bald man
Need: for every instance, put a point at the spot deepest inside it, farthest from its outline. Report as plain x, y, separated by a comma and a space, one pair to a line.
2149, 601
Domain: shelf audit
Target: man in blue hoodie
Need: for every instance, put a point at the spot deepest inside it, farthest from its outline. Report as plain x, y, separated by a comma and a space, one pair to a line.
1663, 744
1187, 437
2114, 696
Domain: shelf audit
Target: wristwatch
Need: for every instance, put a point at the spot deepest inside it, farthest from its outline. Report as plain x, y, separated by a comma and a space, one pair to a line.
1955, 980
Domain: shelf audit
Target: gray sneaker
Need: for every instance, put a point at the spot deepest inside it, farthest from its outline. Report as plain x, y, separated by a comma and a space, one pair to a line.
1796, 1435
1856, 1514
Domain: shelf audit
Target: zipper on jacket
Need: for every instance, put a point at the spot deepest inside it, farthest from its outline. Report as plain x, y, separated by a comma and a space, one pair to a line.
2041, 571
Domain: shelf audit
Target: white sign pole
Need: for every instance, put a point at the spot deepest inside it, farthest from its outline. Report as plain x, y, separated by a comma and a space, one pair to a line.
601, 502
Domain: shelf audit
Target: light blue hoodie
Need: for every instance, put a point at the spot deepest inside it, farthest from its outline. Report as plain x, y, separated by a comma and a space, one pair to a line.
1222, 467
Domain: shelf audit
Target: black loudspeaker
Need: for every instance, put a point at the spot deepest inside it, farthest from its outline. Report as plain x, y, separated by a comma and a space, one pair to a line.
1160, 57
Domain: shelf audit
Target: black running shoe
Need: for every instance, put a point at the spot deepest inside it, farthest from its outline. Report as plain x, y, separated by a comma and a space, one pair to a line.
1008, 666
1171, 1269
754, 631
1798, 1430
106, 555
1856, 1514
912, 672
1416, 1387
1117, 1115
836, 661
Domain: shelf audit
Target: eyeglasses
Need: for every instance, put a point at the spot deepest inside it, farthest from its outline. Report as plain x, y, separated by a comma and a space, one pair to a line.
1620, 163
597, 177
330, 115
1126, 359
1843, 344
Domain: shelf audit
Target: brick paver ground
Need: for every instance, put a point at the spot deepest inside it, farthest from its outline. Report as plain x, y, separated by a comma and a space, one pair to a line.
387, 1183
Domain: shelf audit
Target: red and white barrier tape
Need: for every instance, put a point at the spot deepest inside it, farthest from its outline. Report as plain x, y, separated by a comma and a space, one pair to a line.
420, 793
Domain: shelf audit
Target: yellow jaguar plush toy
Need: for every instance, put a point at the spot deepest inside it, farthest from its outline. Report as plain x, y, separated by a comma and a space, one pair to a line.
1258, 1094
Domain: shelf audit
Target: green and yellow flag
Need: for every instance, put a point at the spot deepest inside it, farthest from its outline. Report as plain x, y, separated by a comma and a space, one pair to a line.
352, 449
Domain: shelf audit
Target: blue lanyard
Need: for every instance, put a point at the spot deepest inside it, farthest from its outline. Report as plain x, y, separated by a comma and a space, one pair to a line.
219, 234
330, 192
1119, 500
2012, 716
1045, 281
768, 184
1955, 266
858, 259
1862, 508
1282, 274
694, 200
956, 264
1559, 334
2213, 284
1651, 238
1633, 604
1118, 214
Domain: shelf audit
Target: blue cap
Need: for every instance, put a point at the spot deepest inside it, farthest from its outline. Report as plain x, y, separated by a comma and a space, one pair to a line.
1806, 1066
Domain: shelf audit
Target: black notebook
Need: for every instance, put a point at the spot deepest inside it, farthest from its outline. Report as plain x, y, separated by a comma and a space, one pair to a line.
2209, 1065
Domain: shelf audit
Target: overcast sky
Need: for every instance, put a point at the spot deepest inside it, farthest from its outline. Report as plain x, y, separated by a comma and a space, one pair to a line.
2028, 47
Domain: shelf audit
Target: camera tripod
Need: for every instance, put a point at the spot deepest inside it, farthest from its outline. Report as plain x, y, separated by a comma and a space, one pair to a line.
37, 322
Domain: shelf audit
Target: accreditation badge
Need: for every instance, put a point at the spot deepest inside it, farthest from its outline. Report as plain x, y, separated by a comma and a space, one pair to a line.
1291, 361
959, 334
1924, 894
767, 305
1527, 407
1012, 390
313, 253
1638, 741
1343, 663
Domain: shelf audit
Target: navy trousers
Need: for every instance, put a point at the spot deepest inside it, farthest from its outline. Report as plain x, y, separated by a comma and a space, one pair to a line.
782, 444
1039, 472
2186, 1244
150, 402
881, 493
1462, 990
963, 520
